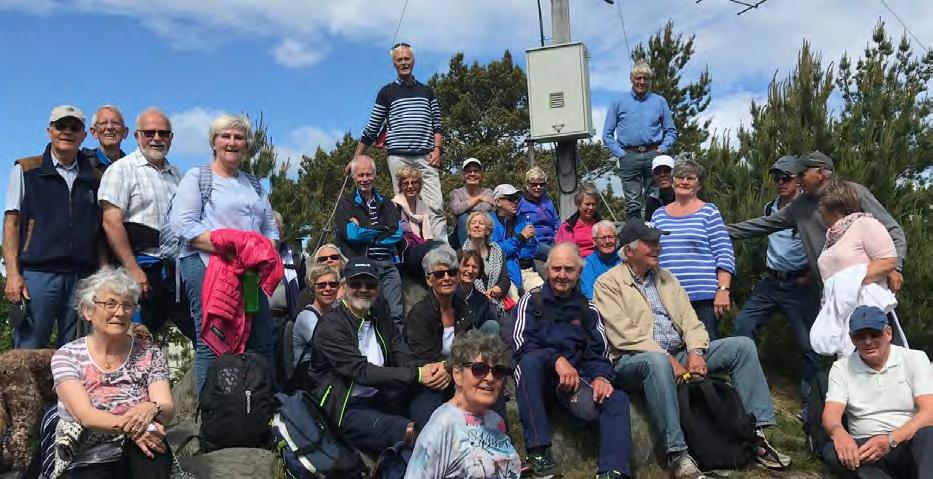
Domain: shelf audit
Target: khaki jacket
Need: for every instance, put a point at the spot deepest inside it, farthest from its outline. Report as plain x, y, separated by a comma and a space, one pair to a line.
628, 317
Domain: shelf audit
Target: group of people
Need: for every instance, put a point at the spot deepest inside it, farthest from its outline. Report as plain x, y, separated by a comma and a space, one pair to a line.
581, 312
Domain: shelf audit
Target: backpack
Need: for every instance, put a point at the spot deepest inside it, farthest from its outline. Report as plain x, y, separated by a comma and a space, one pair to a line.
308, 443
718, 431
392, 462
816, 436
237, 402
169, 240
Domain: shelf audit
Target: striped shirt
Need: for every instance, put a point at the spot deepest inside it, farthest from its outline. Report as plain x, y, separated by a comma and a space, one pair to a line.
376, 251
697, 246
411, 116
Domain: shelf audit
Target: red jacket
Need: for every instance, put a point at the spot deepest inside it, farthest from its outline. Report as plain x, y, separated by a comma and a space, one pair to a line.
224, 327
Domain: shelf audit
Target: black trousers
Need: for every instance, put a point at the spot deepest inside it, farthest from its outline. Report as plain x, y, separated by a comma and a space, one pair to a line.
132, 464
160, 306
910, 460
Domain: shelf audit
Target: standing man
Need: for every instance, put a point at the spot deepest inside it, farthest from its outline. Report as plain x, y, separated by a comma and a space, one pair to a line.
662, 169
409, 113
51, 231
134, 195
639, 126
108, 128
788, 284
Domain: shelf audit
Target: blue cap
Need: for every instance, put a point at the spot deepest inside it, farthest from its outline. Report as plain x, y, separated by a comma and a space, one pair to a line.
867, 317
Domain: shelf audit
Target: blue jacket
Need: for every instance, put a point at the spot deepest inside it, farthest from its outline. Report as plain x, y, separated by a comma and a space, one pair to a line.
556, 326
541, 214
514, 246
594, 266
354, 240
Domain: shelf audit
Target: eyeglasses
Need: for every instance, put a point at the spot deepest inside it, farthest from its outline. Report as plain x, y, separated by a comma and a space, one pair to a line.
326, 284
480, 370
450, 273
153, 133
782, 179
71, 125
358, 284
690, 178
108, 124
411, 183
400, 44
111, 306
332, 257
604, 239
537, 185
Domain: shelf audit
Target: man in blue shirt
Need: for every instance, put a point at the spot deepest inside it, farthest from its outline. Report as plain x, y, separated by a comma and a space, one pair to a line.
788, 284
109, 129
603, 259
639, 126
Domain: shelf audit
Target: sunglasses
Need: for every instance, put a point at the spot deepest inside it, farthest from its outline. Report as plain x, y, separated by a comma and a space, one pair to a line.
450, 273
326, 284
153, 133
73, 126
357, 284
783, 179
537, 185
480, 370
401, 44
332, 257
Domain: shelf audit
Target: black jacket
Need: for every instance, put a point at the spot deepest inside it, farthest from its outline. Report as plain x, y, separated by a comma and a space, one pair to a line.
337, 364
353, 240
424, 332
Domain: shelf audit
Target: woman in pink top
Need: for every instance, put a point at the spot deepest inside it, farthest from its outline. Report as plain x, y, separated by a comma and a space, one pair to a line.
853, 237
579, 227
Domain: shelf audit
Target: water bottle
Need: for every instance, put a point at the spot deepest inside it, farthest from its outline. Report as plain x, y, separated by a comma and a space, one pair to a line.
250, 284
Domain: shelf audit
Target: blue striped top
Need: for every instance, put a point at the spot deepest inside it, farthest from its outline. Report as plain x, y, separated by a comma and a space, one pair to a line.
697, 246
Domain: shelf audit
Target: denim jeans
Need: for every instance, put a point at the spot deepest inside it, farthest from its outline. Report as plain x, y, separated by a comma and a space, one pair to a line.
799, 303
50, 303
261, 339
705, 313
636, 181
652, 373
390, 285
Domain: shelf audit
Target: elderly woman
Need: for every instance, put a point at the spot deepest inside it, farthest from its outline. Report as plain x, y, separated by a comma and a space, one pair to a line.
234, 201
470, 197
698, 250
536, 208
330, 255
416, 225
324, 281
465, 437
471, 269
578, 228
495, 283
113, 390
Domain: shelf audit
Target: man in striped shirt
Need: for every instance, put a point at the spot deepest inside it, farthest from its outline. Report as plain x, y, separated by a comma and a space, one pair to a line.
407, 112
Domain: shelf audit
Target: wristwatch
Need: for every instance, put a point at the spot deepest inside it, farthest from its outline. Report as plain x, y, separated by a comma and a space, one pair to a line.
723, 288
699, 352
891, 441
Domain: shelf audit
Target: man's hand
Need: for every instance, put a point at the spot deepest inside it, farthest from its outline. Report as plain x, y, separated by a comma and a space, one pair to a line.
569, 378
528, 231
601, 389
434, 376
696, 364
434, 158
355, 221
679, 369
721, 303
139, 276
895, 281
15, 289
846, 450
873, 450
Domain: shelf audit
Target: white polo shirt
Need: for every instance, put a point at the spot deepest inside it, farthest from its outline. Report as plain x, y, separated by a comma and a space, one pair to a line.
878, 402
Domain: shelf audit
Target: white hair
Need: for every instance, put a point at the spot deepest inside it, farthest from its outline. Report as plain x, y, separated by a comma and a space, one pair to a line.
631, 245
107, 279
442, 255
392, 51
642, 67
603, 224
562, 246
356, 161
139, 117
105, 107
228, 122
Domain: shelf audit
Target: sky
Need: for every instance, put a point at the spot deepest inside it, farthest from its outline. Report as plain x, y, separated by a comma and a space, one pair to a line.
312, 68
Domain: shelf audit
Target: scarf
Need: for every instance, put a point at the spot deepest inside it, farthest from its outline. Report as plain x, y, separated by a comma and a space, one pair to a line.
835, 232
492, 267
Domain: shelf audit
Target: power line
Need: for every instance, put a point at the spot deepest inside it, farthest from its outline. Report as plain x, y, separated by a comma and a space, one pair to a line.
397, 27
898, 18
624, 33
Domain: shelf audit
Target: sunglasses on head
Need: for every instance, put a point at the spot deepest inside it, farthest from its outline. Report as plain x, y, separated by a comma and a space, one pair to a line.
401, 44
153, 133
480, 370
73, 126
451, 273
332, 257
326, 284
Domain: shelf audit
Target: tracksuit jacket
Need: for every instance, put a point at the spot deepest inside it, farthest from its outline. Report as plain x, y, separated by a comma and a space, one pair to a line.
515, 248
355, 240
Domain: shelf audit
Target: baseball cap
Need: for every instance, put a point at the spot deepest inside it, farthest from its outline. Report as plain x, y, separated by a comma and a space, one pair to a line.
359, 267
662, 160
504, 190
814, 159
787, 165
867, 317
64, 111
637, 229
471, 160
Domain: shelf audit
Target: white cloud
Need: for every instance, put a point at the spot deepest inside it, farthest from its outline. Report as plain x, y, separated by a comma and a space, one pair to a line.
191, 128
598, 114
305, 140
731, 111
292, 53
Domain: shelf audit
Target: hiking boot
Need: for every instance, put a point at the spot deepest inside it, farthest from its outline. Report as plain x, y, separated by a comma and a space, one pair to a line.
611, 475
683, 466
542, 464
769, 457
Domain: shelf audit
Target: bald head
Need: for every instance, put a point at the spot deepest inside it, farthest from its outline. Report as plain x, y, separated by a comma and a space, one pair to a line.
563, 268
153, 134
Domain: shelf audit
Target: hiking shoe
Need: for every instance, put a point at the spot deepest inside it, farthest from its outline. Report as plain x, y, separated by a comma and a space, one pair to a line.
769, 457
542, 464
611, 475
684, 467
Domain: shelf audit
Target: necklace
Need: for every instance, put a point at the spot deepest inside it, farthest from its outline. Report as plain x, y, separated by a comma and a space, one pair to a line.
109, 364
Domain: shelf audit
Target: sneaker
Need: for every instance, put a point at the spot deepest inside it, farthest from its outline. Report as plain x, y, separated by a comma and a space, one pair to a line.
769, 457
611, 475
804, 415
542, 464
683, 466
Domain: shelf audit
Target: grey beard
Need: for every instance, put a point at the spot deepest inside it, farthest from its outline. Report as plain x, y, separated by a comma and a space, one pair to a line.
360, 304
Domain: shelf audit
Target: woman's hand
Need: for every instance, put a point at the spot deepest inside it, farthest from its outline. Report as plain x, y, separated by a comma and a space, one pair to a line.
495, 292
138, 418
152, 442
722, 302
529, 231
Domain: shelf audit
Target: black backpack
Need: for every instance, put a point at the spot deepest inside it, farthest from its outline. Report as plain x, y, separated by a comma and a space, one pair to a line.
237, 403
718, 431
392, 462
816, 401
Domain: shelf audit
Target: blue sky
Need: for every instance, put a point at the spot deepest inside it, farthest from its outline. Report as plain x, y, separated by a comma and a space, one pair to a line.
313, 68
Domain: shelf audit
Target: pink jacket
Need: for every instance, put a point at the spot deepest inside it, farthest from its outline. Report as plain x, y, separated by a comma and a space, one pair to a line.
224, 327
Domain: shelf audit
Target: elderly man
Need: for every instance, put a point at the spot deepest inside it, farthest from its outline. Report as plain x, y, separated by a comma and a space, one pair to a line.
886, 394
603, 259
408, 114
51, 232
788, 282
108, 128
560, 343
366, 378
662, 166
638, 127
813, 170
135, 194
656, 339
369, 225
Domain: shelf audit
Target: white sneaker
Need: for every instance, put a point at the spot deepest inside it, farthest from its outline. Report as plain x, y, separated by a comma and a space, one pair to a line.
684, 467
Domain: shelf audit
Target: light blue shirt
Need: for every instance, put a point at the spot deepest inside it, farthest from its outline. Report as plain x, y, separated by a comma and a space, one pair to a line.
785, 249
594, 266
633, 121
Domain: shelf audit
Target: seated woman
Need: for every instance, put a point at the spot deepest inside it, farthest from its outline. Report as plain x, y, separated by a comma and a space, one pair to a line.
324, 281
469, 198
416, 224
113, 390
471, 268
536, 208
495, 283
465, 437
578, 228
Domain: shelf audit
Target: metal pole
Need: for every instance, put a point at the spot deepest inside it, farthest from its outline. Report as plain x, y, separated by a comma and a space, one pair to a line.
566, 151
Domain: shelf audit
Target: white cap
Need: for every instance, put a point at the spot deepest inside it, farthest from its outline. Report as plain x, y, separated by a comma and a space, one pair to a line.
64, 111
471, 160
504, 190
662, 160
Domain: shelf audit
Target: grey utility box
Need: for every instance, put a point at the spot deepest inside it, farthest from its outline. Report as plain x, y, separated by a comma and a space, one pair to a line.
559, 92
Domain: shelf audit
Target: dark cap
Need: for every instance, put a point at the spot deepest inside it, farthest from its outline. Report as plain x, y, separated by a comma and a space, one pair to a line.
867, 317
814, 159
359, 267
636, 229
786, 165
